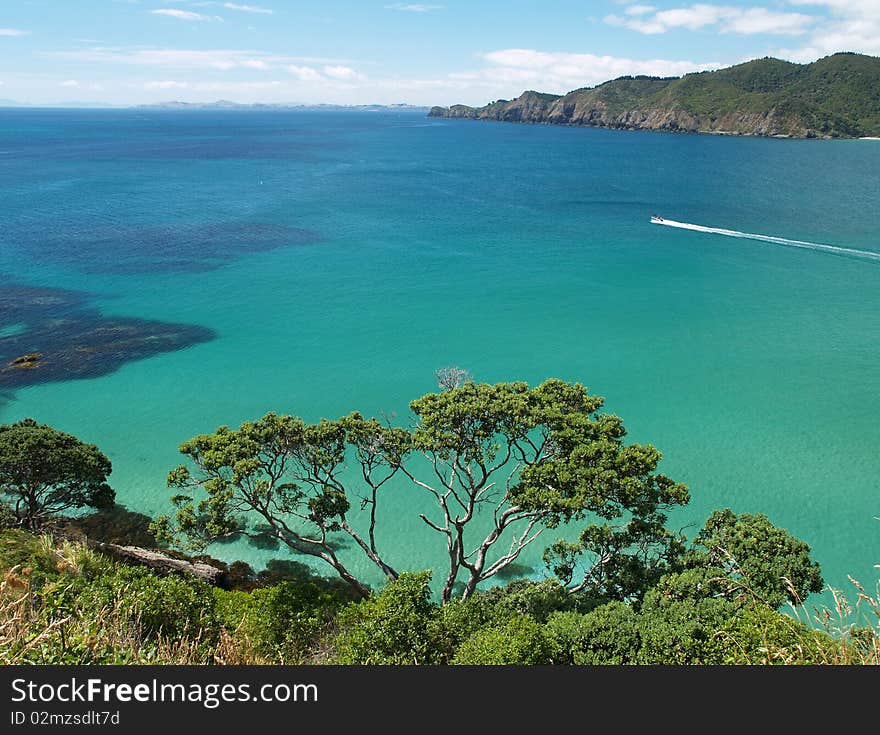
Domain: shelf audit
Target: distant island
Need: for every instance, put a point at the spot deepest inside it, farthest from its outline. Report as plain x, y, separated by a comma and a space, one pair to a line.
218, 105
227, 105
834, 97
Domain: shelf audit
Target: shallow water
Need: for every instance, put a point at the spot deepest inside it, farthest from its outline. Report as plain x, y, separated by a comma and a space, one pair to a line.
337, 259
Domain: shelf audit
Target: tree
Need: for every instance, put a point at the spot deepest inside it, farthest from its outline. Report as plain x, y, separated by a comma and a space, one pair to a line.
533, 458
288, 474
752, 552
500, 463
44, 471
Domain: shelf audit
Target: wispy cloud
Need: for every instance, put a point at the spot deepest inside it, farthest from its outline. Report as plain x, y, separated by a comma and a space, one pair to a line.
70, 83
170, 84
852, 25
413, 7
166, 84
248, 8
184, 14
561, 72
13, 32
343, 73
186, 59
328, 73
722, 18
639, 9
304, 73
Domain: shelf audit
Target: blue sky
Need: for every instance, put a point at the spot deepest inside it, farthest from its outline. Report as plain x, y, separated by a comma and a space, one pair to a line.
434, 52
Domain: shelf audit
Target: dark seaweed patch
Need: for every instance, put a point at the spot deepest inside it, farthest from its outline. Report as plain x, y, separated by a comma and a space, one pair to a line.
128, 249
66, 338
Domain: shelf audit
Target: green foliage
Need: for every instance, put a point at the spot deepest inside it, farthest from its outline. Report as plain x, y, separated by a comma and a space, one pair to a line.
458, 619
608, 635
169, 606
285, 474
7, 517
44, 471
284, 623
531, 457
775, 566
697, 618
62, 603
684, 631
569, 463
392, 627
759, 635
625, 560
33, 557
539, 600
520, 641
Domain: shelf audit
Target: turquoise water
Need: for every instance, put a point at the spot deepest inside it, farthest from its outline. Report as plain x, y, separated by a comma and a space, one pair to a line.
341, 258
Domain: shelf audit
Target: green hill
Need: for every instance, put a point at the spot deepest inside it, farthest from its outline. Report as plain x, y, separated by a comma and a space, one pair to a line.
835, 97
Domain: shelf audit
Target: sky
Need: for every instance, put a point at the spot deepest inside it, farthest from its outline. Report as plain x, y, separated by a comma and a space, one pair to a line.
125, 52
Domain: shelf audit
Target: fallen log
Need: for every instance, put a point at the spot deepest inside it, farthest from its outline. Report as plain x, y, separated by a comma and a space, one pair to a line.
162, 563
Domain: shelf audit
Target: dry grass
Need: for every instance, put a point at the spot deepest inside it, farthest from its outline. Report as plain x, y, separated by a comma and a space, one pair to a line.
855, 627
106, 635
29, 634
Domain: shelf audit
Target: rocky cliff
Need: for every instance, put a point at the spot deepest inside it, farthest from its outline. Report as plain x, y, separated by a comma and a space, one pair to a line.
838, 96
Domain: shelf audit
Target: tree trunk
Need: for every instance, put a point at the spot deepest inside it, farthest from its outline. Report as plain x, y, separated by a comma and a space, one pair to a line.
162, 563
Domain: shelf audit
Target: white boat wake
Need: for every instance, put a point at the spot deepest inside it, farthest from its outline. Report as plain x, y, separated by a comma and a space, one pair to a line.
834, 249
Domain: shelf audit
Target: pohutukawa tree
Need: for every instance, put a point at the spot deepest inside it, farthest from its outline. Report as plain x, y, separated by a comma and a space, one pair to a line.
289, 475
499, 463
44, 472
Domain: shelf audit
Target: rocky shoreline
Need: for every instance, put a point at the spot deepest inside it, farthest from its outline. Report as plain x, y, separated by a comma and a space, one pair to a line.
764, 98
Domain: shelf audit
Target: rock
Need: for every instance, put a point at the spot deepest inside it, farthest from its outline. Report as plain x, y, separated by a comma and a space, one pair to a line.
26, 361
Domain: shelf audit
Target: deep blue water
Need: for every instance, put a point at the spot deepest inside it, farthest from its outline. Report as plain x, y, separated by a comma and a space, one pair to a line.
317, 263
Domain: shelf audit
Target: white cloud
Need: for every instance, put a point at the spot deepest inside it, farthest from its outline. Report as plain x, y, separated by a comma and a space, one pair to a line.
851, 25
248, 8
210, 87
13, 32
328, 74
304, 73
560, 72
234, 86
413, 7
725, 18
184, 14
166, 84
639, 9
343, 73
70, 83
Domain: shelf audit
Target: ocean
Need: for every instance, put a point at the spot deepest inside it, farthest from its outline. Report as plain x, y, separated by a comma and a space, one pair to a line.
317, 263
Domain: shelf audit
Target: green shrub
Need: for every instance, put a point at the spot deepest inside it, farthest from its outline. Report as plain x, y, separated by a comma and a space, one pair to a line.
171, 606
34, 555
609, 635
392, 627
520, 641
283, 623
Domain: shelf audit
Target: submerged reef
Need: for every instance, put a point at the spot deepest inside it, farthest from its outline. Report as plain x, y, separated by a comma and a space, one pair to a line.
49, 334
